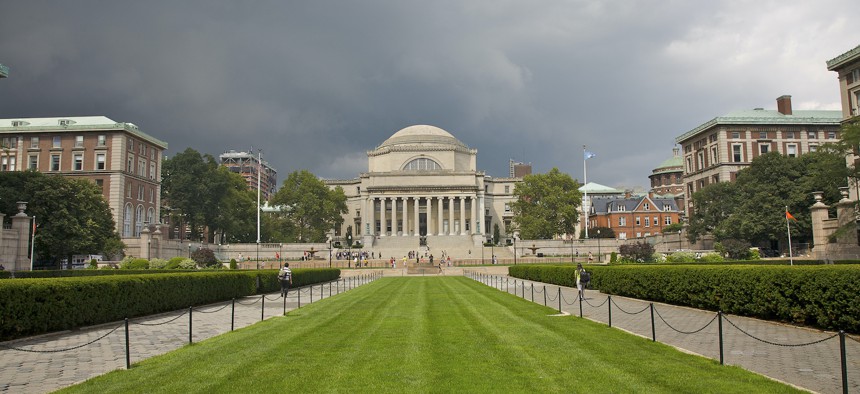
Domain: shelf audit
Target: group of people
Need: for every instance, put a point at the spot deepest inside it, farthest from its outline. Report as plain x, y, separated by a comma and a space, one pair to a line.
363, 255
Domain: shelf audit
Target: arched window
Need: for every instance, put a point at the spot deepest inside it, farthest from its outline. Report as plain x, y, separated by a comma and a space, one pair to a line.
126, 221
138, 220
422, 164
150, 215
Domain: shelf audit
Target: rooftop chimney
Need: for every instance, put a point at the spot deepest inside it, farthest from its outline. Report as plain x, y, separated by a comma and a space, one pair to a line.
783, 104
675, 151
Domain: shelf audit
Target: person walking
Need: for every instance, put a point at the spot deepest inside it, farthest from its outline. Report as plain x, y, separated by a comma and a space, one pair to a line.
285, 275
579, 282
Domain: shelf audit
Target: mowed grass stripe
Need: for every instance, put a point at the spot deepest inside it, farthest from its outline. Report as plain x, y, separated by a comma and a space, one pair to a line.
428, 334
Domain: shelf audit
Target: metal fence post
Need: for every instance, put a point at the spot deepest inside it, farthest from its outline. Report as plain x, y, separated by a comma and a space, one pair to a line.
653, 330
609, 302
579, 297
128, 353
190, 310
544, 295
263, 307
523, 286
299, 290
844, 364
559, 299
720, 325
533, 292
233, 314
312, 293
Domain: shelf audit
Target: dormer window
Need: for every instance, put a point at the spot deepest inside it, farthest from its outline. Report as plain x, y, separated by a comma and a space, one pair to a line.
619, 207
647, 207
19, 123
65, 122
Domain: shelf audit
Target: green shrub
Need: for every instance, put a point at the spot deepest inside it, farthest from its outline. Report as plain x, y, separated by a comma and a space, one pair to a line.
134, 264
157, 264
681, 257
754, 254
94, 265
823, 296
712, 258
641, 252
735, 249
174, 262
204, 257
613, 258
187, 264
233, 264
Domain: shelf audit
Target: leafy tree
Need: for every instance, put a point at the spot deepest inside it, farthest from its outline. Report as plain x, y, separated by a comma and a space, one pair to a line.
598, 232
712, 205
205, 257
208, 196
672, 228
72, 215
546, 205
736, 249
310, 208
641, 252
497, 234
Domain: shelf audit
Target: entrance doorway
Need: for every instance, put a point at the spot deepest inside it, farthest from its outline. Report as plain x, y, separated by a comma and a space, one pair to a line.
422, 224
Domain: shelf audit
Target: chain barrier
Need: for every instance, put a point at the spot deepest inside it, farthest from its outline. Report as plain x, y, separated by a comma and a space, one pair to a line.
852, 338
629, 313
683, 332
778, 344
537, 289
62, 350
256, 300
595, 306
569, 303
277, 297
550, 298
216, 310
162, 323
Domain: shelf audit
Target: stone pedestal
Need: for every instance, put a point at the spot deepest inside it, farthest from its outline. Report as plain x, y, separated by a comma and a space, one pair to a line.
21, 224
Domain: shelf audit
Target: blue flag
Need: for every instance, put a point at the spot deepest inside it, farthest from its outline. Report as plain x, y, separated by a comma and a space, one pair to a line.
589, 155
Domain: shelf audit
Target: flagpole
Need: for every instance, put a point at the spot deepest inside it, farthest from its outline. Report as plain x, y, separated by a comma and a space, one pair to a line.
585, 189
32, 242
259, 172
788, 230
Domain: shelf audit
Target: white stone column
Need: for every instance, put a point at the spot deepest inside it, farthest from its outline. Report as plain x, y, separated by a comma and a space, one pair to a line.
415, 207
364, 215
371, 217
439, 227
481, 216
474, 215
405, 216
462, 215
451, 215
382, 226
393, 216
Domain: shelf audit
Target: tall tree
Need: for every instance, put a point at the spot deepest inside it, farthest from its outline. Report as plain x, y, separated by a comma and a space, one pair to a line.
310, 208
72, 215
546, 205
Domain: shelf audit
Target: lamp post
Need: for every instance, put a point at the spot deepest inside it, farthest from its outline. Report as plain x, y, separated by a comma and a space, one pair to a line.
349, 258
280, 246
189, 250
258, 254
679, 239
329, 252
515, 250
598, 245
149, 249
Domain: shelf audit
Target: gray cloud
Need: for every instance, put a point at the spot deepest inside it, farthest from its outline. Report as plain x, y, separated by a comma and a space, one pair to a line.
316, 84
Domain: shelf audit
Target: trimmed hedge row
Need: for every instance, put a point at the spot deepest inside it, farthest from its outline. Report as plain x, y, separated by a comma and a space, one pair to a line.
826, 296
99, 272
35, 306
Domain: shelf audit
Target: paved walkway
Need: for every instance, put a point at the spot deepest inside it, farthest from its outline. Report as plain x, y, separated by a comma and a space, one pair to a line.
814, 367
46, 366
792, 356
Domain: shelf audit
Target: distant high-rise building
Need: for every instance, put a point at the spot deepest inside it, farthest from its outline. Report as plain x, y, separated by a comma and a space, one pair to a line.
518, 169
248, 165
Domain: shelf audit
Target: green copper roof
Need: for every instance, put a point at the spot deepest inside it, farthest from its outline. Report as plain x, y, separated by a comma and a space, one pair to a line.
767, 117
676, 161
4, 71
844, 58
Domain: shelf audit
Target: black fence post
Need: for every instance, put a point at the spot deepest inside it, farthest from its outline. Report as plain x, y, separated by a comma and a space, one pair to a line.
299, 290
263, 307
233, 314
311, 287
844, 364
579, 297
544, 295
285, 303
559, 299
653, 329
609, 302
720, 325
128, 351
533, 292
523, 286
190, 311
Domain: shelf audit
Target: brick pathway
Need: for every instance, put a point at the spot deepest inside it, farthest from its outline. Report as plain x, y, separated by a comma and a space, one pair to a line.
815, 367
30, 372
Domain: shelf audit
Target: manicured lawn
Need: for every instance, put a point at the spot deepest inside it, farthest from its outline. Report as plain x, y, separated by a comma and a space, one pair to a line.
431, 334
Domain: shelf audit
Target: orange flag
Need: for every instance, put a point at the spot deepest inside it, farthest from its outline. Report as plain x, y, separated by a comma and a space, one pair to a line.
788, 216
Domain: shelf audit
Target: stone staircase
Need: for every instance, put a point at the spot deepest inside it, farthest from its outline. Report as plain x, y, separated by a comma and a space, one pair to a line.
456, 247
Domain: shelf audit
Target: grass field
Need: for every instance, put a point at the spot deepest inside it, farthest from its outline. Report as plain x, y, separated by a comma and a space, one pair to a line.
431, 334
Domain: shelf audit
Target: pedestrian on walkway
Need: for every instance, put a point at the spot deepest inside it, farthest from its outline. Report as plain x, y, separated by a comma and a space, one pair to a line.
579, 283
285, 275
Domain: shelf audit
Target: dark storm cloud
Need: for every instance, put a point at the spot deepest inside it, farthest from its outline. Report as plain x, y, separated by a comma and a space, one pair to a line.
316, 84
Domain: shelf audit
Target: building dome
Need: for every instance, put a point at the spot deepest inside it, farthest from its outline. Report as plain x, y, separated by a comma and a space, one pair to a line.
422, 134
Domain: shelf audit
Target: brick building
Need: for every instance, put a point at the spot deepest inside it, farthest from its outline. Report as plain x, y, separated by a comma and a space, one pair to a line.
716, 150
122, 160
847, 66
249, 165
634, 216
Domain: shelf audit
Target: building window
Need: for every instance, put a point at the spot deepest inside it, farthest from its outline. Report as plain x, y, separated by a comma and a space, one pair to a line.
689, 165
128, 190
34, 142
667, 207
737, 157
789, 134
637, 221
79, 141
102, 140
668, 220
647, 206
831, 135
422, 164
656, 221
713, 155
736, 135
620, 208
130, 144
507, 189
791, 150
130, 164
78, 162
712, 138
638, 235
4, 163
622, 221
647, 221
138, 220
56, 142
358, 190
140, 192
100, 161
622, 236
715, 178
55, 162
126, 221
763, 148
101, 184
811, 135
507, 207
700, 160
151, 194
813, 148
762, 135
33, 162
141, 167
152, 170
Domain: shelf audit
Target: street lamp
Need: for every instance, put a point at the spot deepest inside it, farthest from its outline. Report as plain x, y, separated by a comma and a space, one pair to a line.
258, 254
679, 239
149, 249
349, 258
189, 250
515, 250
598, 245
329, 251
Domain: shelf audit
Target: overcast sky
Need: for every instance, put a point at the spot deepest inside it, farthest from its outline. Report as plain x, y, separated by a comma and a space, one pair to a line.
317, 84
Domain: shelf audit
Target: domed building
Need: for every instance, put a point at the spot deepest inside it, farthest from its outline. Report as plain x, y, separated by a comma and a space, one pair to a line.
422, 186
667, 179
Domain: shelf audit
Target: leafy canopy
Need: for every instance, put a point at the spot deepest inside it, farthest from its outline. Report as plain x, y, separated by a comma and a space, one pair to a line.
309, 208
546, 205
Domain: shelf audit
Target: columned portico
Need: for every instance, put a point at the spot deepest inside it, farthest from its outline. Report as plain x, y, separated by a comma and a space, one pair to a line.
462, 216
